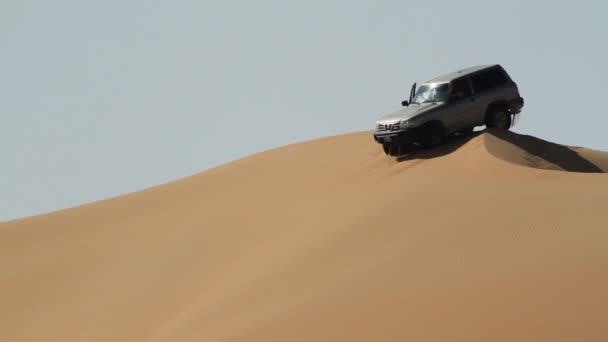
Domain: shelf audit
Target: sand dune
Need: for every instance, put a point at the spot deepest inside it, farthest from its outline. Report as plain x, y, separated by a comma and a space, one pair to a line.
494, 237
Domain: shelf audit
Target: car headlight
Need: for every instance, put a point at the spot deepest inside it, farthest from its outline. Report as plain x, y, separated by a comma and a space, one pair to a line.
406, 123
409, 123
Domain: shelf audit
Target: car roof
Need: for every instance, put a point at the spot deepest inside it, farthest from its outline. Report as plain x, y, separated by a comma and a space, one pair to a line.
460, 73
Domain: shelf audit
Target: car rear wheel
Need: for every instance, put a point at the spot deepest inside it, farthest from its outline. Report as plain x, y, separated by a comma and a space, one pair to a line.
499, 117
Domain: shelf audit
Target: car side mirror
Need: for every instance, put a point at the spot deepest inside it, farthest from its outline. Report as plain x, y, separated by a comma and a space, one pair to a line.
405, 103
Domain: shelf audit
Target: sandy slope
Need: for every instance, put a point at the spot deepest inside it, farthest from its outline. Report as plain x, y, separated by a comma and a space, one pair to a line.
487, 239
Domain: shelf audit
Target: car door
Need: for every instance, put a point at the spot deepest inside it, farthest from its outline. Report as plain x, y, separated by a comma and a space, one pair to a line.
462, 106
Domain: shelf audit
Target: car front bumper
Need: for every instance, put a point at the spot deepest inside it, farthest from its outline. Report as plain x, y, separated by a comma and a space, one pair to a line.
404, 137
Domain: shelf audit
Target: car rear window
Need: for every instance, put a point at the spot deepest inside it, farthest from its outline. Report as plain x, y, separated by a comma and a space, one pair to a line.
487, 80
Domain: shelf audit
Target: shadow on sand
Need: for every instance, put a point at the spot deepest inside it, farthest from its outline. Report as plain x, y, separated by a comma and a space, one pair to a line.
559, 155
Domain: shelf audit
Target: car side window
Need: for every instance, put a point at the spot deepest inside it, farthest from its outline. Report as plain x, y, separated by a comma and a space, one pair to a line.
488, 80
460, 90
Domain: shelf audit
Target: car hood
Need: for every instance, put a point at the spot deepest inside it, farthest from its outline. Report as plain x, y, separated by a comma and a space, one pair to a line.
410, 111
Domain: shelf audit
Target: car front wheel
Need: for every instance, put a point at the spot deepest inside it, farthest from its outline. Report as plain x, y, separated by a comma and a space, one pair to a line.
391, 149
433, 135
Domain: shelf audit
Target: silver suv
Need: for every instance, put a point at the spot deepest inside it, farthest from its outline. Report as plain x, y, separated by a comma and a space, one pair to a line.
450, 104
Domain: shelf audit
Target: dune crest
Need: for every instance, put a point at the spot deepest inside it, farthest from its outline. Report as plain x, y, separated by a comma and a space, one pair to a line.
328, 240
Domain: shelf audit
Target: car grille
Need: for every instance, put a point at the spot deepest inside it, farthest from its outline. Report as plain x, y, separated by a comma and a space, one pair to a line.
388, 127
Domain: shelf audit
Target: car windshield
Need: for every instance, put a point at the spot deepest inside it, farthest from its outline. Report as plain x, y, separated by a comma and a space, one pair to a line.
431, 93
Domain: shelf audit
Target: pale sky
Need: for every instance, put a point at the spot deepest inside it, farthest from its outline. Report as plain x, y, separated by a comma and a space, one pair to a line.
103, 98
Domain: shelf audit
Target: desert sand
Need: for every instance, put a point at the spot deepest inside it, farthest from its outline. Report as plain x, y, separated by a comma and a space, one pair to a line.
493, 237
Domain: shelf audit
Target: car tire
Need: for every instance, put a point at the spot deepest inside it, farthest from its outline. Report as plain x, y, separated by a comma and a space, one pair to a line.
433, 135
391, 149
386, 147
498, 117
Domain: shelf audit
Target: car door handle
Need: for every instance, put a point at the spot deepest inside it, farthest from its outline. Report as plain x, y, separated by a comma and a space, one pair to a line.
472, 99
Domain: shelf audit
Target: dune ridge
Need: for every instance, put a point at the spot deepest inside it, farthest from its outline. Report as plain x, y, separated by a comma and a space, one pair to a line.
493, 237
